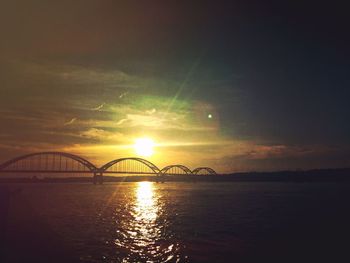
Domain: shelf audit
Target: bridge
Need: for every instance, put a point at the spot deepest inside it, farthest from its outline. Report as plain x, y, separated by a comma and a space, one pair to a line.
60, 162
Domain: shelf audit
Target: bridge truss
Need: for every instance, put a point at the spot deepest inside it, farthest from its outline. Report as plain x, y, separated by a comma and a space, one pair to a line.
48, 162
59, 162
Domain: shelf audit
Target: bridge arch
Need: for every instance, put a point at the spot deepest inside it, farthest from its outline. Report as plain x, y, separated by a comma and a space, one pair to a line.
48, 161
130, 165
176, 168
204, 171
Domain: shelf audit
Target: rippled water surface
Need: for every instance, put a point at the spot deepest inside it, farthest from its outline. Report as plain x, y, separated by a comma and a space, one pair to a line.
180, 222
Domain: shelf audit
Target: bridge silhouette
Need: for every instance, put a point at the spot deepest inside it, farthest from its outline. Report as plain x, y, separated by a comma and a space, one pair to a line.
60, 162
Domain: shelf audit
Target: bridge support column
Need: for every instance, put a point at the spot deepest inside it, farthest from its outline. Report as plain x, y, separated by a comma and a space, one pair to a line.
160, 178
98, 178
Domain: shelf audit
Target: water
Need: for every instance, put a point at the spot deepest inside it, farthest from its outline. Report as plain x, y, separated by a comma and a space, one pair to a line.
178, 222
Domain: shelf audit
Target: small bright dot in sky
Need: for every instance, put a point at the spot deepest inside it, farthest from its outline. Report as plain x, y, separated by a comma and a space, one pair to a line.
210, 116
144, 147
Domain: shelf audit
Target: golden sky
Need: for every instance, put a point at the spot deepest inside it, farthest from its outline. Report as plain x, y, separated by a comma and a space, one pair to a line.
211, 85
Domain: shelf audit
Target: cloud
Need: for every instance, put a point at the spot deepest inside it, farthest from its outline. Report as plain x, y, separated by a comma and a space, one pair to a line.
120, 122
98, 108
123, 95
70, 122
103, 135
94, 76
65, 79
172, 121
150, 112
252, 150
134, 104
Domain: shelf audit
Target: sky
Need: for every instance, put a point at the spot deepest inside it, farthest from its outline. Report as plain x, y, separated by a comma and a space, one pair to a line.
234, 85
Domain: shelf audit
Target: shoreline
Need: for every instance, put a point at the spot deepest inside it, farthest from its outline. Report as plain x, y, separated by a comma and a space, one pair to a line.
324, 175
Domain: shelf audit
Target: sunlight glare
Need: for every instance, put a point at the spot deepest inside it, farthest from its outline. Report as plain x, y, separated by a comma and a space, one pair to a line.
144, 147
145, 202
145, 213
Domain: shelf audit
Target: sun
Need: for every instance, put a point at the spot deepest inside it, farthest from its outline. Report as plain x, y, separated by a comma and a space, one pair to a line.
144, 147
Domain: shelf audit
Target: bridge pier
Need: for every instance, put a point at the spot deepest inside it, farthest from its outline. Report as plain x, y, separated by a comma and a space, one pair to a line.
97, 178
160, 178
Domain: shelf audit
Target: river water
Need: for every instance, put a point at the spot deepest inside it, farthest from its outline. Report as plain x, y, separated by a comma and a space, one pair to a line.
178, 222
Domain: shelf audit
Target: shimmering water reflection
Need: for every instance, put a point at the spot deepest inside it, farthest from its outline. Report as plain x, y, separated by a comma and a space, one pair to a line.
144, 212
179, 222
142, 234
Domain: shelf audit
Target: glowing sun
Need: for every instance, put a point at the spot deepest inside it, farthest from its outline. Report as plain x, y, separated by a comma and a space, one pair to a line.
144, 147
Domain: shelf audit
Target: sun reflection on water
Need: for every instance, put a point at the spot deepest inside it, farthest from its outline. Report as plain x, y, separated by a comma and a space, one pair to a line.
145, 207
145, 213
143, 232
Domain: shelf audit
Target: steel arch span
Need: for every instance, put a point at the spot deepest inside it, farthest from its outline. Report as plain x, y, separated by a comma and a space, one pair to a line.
52, 162
176, 168
207, 170
130, 165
